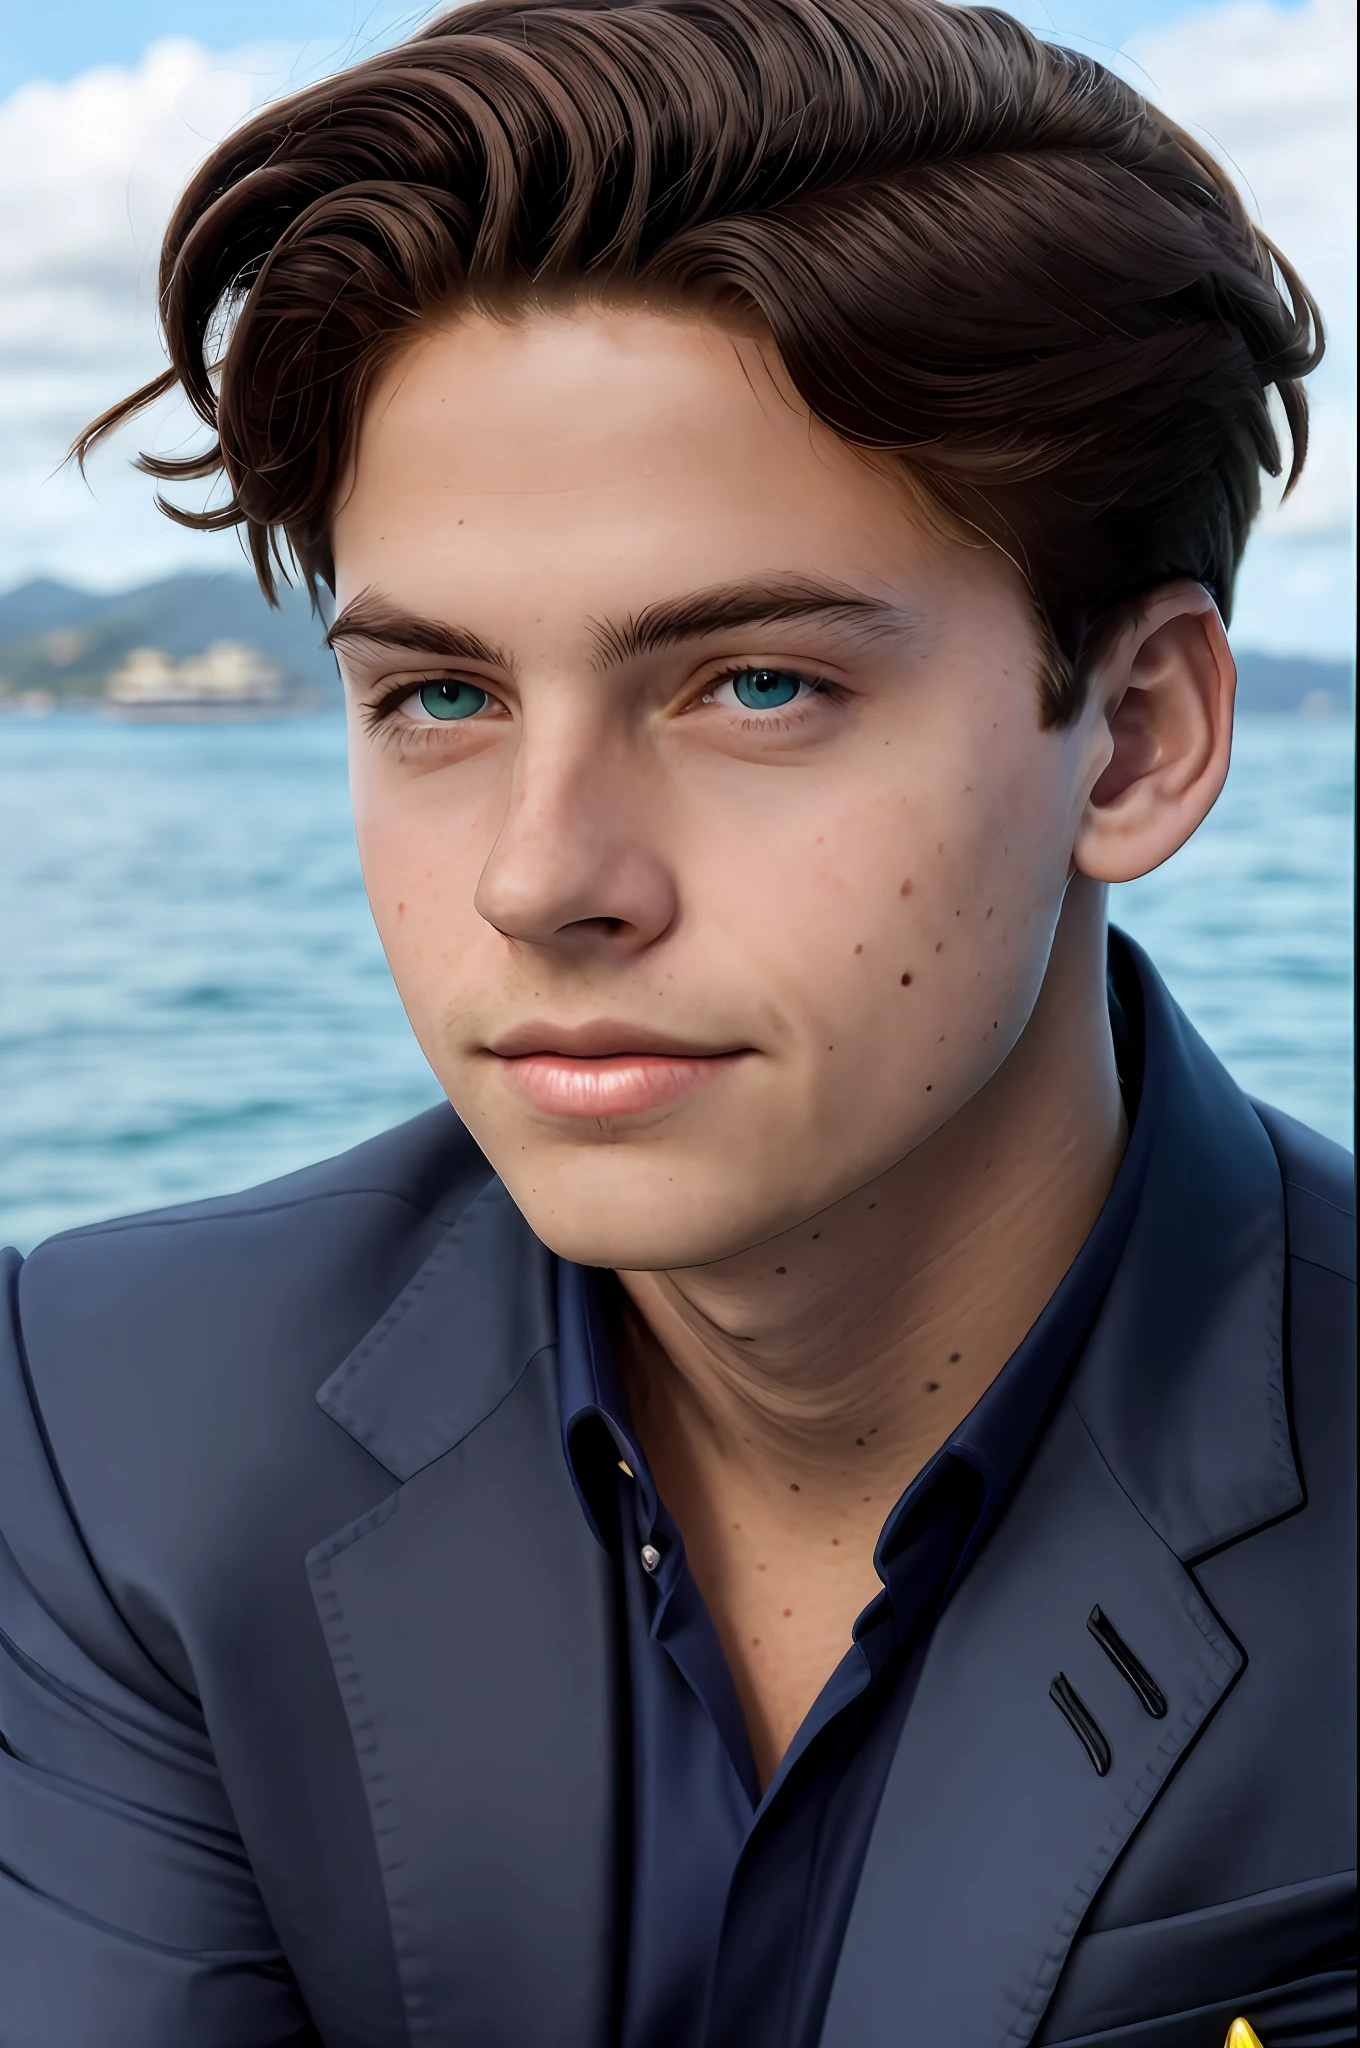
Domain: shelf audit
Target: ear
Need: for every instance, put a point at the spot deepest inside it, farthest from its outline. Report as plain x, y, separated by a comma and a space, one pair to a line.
1162, 701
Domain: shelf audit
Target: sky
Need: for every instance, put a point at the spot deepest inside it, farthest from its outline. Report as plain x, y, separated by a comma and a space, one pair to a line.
104, 111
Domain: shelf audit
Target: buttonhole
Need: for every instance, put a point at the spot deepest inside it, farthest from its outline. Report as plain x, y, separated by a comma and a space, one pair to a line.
1081, 1721
1149, 1693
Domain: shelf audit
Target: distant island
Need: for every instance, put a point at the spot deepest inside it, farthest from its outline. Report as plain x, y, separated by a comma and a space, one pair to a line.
190, 646
209, 647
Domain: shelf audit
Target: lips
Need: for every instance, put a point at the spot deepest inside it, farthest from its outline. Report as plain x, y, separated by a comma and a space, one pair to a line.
602, 1069
599, 1039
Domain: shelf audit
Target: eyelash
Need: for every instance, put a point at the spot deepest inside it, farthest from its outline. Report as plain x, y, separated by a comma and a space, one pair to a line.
817, 686
378, 714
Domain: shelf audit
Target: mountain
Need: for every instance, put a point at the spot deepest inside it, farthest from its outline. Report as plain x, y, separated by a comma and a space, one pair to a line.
1294, 682
65, 641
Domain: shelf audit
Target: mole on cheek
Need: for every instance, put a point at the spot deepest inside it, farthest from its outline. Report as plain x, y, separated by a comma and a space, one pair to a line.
906, 981
905, 889
401, 912
859, 949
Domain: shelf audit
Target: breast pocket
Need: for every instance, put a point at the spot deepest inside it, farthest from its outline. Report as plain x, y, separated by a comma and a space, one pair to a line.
1282, 1959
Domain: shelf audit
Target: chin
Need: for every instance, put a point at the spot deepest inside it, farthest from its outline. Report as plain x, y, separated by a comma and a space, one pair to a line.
644, 1223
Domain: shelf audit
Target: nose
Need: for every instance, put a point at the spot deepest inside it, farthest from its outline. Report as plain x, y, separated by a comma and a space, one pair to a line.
577, 865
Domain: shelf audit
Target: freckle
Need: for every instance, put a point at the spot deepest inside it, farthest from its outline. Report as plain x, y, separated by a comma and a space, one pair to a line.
401, 910
906, 981
994, 1024
867, 1498
760, 1567
939, 846
874, 1431
859, 949
788, 1614
835, 1543
905, 889
932, 1386
860, 1441
929, 1086
958, 913
990, 908
939, 945
954, 1357
815, 1235
820, 840
794, 1487
781, 1269
873, 1205
755, 1642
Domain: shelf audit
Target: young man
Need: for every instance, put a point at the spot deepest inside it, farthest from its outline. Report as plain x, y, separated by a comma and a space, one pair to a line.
811, 1505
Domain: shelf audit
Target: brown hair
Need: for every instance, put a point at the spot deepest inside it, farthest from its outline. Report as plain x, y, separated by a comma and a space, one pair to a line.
971, 247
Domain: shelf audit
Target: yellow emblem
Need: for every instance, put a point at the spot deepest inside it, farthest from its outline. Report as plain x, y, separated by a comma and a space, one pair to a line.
1241, 2035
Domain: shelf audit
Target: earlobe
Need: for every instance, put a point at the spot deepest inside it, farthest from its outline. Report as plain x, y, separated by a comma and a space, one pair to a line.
1166, 709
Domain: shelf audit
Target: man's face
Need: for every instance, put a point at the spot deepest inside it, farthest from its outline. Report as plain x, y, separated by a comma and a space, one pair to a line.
712, 837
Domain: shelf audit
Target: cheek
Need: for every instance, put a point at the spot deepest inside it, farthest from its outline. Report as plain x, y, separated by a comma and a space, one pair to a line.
420, 871
916, 922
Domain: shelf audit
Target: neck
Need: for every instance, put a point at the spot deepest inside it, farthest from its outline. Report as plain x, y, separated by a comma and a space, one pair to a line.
835, 1360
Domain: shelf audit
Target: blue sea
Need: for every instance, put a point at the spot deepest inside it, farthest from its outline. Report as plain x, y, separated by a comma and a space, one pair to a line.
192, 997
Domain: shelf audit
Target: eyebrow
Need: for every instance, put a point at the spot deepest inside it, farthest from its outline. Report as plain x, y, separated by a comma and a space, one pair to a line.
697, 614
727, 607
369, 617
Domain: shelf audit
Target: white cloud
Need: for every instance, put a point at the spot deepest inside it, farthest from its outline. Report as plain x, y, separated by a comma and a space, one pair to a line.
89, 171
1272, 92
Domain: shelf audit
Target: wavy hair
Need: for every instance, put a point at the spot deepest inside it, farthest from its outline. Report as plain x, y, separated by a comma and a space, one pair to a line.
975, 249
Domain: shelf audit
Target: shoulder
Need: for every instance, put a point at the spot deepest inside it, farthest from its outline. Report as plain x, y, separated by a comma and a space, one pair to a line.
165, 1367
293, 1272
332, 1232
1319, 1187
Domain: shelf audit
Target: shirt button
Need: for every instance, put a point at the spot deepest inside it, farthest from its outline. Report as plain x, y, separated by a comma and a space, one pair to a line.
651, 1557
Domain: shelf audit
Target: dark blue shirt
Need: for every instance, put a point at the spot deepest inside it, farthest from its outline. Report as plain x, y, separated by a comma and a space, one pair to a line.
738, 1903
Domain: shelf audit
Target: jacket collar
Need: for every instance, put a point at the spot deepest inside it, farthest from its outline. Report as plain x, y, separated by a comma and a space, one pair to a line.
1182, 1380
454, 1342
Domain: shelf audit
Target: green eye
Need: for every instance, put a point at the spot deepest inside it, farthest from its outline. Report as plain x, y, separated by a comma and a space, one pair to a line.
452, 700
765, 689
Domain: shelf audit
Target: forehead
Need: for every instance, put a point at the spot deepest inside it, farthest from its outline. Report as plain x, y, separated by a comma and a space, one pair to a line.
606, 445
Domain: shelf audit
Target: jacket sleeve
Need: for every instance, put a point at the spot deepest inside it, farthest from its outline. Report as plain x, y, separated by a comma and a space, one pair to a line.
129, 1915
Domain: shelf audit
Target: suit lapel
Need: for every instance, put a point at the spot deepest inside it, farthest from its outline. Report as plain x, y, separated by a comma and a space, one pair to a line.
995, 1830
469, 1621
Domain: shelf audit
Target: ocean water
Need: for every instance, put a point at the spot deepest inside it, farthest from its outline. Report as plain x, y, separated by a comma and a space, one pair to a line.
192, 997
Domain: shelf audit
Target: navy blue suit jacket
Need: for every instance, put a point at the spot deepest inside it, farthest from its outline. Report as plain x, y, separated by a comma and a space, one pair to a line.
307, 1684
